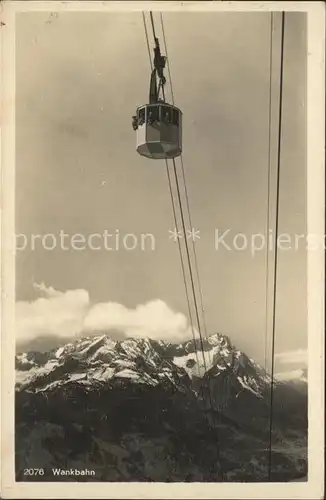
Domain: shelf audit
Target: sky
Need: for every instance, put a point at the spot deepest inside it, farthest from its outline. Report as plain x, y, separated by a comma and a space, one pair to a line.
79, 78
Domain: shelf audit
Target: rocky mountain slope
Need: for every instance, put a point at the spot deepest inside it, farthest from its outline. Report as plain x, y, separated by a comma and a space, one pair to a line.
142, 410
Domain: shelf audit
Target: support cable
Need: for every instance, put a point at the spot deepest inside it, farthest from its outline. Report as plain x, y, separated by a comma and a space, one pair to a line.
187, 198
147, 41
153, 28
197, 314
189, 263
166, 53
276, 246
190, 266
174, 209
268, 188
182, 264
182, 218
201, 301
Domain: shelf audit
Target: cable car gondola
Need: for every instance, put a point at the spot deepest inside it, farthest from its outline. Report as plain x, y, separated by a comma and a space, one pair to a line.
158, 124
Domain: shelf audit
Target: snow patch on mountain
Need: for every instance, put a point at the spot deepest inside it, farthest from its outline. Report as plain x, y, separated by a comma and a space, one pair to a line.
244, 382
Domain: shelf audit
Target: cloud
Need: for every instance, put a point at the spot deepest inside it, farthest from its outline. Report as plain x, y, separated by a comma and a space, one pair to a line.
47, 291
153, 319
293, 357
69, 314
59, 314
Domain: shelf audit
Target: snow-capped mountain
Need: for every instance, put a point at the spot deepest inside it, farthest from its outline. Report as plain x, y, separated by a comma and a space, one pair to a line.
144, 398
99, 360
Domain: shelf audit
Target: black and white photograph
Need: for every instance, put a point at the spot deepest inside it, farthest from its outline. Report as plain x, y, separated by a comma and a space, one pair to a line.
162, 326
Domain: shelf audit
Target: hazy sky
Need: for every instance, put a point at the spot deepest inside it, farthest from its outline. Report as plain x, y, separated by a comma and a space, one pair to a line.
79, 78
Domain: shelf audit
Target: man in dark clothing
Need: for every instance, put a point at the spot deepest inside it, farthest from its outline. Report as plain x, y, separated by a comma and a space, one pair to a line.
159, 64
135, 122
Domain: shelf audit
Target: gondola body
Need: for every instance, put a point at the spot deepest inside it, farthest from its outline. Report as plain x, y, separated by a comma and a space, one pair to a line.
159, 131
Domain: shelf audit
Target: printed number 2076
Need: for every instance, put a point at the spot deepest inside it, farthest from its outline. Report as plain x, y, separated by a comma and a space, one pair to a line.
33, 472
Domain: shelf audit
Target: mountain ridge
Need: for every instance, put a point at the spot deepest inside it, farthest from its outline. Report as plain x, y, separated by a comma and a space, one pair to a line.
123, 358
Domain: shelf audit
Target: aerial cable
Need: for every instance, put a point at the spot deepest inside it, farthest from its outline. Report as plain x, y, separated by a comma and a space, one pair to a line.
174, 212
192, 281
195, 254
182, 264
268, 188
166, 53
197, 314
192, 286
186, 191
276, 246
183, 225
189, 263
152, 21
186, 195
147, 41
